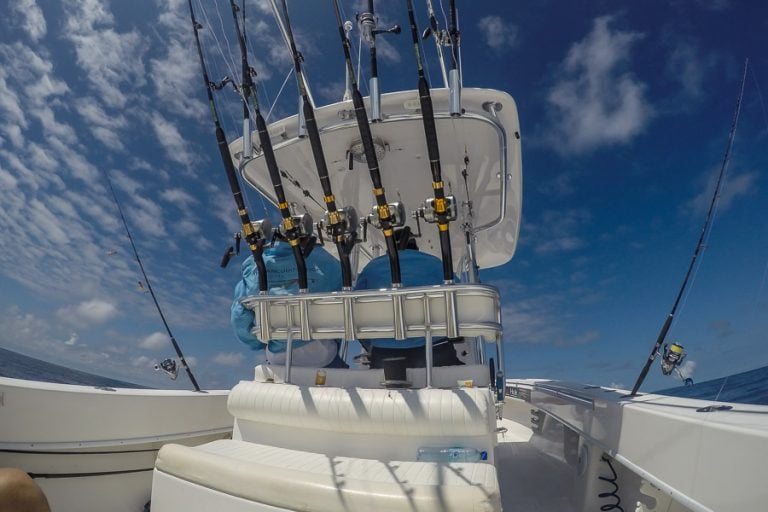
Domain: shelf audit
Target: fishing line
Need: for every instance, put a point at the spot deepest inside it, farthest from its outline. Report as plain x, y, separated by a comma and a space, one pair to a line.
230, 63
287, 77
149, 284
359, 56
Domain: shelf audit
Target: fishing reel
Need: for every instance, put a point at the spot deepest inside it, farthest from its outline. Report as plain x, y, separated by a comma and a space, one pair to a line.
428, 212
367, 24
343, 221
672, 358
396, 215
302, 223
262, 230
169, 367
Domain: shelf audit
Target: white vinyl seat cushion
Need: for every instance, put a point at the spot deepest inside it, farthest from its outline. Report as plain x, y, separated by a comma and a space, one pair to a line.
297, 480
389, 412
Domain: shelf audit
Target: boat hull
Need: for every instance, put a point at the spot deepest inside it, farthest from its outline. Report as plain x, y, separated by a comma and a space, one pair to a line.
94, 448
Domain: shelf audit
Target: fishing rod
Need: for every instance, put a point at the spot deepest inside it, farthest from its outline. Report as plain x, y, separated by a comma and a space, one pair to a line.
700, 245
253, 237
385, 219
175, 344
433, 30
440, 209
293, 227
341, 223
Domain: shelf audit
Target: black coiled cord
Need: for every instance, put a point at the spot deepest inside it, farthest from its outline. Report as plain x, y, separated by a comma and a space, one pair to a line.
610, 494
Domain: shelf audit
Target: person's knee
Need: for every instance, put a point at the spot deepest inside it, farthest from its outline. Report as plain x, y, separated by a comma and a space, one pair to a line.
19, 493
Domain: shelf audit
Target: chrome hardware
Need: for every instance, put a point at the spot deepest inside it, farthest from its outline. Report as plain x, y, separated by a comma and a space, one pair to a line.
427, 210
396, 215
347, 217
169, 367
303, 223
262, 228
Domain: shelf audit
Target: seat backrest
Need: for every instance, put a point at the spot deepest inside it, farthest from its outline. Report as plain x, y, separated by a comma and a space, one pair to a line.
363, 422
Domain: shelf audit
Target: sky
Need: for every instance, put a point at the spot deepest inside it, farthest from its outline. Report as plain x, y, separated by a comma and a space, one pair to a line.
625, 110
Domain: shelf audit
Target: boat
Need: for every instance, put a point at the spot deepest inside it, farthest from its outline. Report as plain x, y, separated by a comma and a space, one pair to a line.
463, 437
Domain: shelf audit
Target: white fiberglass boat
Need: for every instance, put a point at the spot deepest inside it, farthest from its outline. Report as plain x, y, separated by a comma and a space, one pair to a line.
454, 438
446, 442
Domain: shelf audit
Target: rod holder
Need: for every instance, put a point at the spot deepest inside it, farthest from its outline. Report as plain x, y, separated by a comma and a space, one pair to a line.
454, 91
375, 99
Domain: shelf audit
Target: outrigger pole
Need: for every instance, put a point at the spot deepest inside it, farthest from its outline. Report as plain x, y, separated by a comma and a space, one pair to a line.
699, 246
290, 226
386, 219
341, 224
442, 206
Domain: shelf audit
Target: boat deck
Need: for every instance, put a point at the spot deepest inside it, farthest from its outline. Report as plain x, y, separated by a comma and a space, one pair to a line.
530, 479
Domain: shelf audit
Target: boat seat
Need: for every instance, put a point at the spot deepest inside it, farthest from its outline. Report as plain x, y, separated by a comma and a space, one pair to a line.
459, 412
298, 480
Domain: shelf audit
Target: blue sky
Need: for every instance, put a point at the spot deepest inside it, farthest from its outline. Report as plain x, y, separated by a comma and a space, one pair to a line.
625, 110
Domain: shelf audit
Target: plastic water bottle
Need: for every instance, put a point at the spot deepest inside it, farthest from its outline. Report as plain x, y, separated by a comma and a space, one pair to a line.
448, 455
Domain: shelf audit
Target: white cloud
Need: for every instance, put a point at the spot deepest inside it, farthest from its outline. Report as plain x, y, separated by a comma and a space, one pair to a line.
228, 358
538, 320
92, 312
497, 33
105, 127
31, 18
386, 51
178, 197
596, 104
556, 231
168, 136
141, 361
333, 91
147, 216
734, 186
96, 311
155, 341
686, 67
175, 76
72, 341
110, 60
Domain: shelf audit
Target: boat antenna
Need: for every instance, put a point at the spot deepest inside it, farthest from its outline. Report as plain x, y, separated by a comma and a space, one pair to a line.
386, 218
340, 224
175, 344
700, 245
442, 209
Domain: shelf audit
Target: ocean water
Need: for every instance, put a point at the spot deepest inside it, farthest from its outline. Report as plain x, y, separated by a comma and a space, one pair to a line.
19, 366
746, 388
